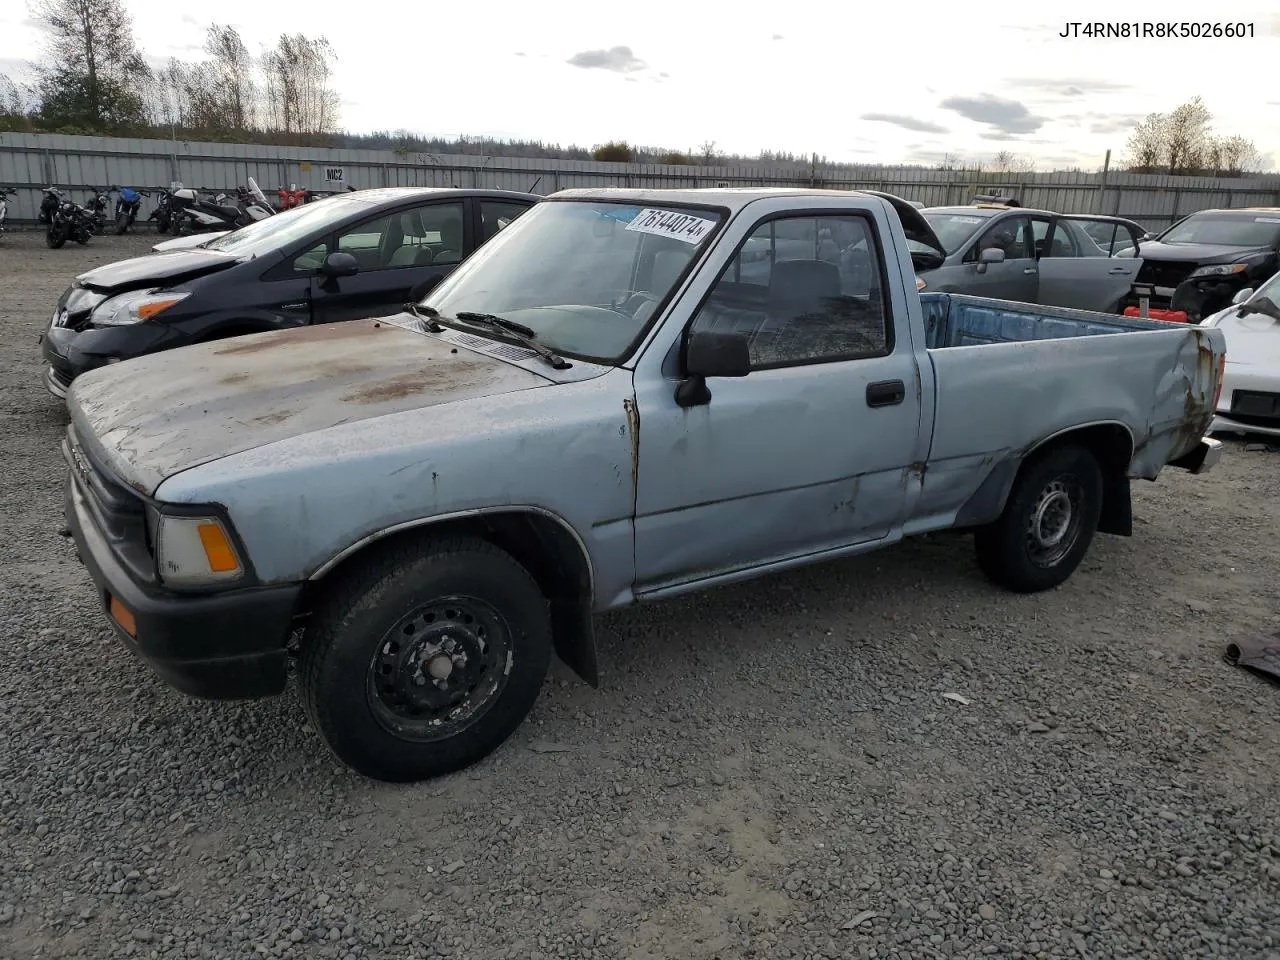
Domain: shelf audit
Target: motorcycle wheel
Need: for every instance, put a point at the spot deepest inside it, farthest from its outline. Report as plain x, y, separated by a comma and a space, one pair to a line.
82, 236
122, 224
55, 237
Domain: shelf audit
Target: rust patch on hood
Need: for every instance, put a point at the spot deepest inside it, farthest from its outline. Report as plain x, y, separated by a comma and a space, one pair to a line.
349, 329
396, 388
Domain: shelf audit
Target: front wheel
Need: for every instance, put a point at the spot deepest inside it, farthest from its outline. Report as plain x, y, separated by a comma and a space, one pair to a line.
426, 659
55, 237
122, 224
1047, 524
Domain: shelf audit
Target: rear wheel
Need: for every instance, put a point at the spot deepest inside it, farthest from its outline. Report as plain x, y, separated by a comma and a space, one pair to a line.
1047, 524
425, 659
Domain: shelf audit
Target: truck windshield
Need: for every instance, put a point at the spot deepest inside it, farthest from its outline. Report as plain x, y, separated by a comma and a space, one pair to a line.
952, 229
585, 275
1262, 230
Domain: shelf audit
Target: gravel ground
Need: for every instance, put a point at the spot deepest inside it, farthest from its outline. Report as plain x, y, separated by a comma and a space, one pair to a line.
770, 770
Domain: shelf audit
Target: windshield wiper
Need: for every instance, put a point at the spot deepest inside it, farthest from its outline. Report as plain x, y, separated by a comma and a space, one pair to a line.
526, 336
492, 320
426, 314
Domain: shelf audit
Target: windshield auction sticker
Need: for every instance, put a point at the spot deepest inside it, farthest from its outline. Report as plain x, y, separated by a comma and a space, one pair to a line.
668, 223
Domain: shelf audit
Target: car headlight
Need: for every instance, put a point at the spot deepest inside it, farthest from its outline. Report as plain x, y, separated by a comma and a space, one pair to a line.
1218, 270
134, 307
195, 551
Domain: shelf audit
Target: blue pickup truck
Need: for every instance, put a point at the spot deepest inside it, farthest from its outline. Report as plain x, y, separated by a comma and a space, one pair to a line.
605, 405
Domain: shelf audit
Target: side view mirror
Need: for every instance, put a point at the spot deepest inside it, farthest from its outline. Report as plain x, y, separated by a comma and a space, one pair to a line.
1241, 296
991, 255
339, 264
419, 292
1147, 236
711, 353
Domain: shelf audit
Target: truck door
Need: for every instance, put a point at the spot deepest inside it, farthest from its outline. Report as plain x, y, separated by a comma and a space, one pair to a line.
807, 453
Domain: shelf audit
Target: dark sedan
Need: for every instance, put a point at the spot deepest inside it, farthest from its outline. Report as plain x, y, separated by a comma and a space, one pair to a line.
352, 255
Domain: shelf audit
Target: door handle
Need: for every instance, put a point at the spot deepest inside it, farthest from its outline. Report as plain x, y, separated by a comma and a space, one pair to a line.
886, 393
1029, 270
1120, 270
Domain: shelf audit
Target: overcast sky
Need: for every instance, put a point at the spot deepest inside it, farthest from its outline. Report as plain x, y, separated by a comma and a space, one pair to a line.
859, 82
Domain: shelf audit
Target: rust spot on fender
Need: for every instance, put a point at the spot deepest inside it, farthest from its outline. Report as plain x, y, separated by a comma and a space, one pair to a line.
633, 428
323, 332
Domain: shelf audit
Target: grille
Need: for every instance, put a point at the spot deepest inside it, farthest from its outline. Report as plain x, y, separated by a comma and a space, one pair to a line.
1164, 274
119, 512
1255, 408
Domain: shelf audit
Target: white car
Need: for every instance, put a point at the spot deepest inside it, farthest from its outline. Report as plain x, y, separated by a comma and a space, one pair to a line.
1250, 397
187, 242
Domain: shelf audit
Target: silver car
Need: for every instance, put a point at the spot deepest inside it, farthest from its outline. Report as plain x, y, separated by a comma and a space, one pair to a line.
1031, 256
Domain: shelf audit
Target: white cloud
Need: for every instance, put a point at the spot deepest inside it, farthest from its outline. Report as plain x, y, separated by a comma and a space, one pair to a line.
459, 68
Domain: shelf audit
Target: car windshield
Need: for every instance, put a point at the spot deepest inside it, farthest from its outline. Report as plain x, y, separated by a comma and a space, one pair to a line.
585, 275
282, 229
952, 229
1258, 230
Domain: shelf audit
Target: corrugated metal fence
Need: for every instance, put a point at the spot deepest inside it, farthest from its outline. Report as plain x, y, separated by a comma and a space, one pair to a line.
30, 162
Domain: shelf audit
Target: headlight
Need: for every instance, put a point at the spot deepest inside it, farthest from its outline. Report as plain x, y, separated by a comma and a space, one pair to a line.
134, 307
1231, 269
195, 551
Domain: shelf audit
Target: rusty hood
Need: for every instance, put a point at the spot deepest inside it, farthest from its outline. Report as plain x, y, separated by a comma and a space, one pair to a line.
157, 415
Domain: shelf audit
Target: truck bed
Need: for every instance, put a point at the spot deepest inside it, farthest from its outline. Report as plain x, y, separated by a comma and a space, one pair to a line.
1008, 375
956, 320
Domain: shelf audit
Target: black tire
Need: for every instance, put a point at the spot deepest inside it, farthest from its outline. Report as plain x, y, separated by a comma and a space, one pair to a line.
122, 224
55, 237
1036, 544
403, 615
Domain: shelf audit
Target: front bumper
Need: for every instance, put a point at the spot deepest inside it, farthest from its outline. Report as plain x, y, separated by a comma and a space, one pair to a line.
68, 353
216, 646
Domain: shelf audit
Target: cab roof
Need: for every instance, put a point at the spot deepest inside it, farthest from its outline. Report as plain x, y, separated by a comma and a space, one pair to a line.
732, 198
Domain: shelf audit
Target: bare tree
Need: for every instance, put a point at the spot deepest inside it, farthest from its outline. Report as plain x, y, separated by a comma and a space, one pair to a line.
95, 70
1183, 142
707, 153
1186, 137
298, 78
1147, 143
231, 81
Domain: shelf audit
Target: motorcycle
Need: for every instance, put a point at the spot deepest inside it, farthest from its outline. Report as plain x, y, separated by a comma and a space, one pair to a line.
69, 221
163, 212
5, 194
220, 213
128, 204
99, 203
49, 204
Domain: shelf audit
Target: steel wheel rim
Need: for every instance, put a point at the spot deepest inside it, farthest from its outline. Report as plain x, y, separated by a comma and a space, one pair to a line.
1054, 525
439, 669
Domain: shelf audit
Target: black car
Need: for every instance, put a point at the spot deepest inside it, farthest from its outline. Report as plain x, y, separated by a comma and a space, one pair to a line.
1205, 259
347, 256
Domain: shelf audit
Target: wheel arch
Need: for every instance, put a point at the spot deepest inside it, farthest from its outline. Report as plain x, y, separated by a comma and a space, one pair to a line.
1111, 443
541, 541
